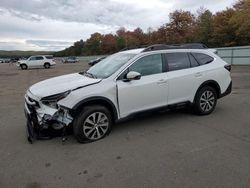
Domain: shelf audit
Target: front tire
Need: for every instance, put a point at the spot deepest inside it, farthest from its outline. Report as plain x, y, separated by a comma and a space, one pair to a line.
46, 65
92, 123
205, 101
23, 66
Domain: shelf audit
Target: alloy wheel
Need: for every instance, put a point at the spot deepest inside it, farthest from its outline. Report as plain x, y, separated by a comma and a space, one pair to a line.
95, 125
207, 101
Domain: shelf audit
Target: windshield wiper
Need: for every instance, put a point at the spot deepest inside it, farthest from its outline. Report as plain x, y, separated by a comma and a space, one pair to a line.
88, 74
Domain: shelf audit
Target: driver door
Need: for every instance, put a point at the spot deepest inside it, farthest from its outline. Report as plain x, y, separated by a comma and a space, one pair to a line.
149, 92
31, 61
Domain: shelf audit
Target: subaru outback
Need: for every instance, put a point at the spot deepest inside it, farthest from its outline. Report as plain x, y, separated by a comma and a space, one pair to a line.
125, 84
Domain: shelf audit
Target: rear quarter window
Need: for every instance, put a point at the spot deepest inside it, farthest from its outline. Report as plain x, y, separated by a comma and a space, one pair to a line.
193, 61
202, 59
49, 57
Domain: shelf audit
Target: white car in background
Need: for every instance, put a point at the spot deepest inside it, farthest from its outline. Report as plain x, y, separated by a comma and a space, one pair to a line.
45, 61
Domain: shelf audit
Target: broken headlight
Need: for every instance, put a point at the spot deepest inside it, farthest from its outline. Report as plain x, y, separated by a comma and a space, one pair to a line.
53, 99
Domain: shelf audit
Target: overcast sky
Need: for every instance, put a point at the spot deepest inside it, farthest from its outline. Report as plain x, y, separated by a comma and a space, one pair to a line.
56, 24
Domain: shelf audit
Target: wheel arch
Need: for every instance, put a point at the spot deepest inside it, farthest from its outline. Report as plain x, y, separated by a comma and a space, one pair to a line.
211, 83
25, 65
96, 101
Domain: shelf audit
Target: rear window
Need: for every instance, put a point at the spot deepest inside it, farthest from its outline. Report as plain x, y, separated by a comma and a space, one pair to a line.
202, 58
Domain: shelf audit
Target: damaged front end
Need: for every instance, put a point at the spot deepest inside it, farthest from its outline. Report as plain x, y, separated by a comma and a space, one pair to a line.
45, 118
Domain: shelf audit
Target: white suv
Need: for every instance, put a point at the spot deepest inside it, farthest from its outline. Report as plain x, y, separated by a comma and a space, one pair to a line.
45, 61
124, 84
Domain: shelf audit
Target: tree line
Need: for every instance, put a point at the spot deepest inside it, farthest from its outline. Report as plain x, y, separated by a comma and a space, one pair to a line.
230, 27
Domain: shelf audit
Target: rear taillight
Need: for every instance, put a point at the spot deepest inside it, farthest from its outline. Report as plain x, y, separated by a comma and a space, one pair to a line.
228, 67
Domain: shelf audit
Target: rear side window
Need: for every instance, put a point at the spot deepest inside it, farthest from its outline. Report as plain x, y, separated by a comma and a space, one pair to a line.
148, 65
177, 61
39, 58
202, 58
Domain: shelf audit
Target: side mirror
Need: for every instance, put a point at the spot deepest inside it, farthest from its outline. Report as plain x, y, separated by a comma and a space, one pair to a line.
132, 75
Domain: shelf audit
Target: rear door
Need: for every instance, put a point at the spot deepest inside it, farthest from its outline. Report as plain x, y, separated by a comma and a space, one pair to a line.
36, 61
184, 75
148, 92
39, 60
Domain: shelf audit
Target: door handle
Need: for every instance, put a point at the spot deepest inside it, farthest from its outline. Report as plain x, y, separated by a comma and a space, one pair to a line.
162, 81
198, 74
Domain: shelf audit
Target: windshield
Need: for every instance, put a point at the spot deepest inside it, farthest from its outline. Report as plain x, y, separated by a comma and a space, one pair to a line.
110, 65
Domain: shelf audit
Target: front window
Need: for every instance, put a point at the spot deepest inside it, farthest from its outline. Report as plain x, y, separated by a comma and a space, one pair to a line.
32, 58
148, 65
110, 65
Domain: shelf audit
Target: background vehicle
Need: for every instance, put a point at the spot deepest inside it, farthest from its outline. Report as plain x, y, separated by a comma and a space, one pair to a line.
5, 60
127, 83
71, 59
45, 61
14, 60
95, 61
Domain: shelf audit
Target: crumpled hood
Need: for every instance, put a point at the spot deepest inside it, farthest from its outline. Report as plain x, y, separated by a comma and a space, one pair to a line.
61, 84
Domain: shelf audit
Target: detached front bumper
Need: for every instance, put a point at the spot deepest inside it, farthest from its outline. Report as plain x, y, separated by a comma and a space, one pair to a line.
35, 130
44, 122
31, 123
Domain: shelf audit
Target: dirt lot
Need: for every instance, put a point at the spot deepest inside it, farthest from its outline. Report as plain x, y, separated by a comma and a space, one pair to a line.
171, 149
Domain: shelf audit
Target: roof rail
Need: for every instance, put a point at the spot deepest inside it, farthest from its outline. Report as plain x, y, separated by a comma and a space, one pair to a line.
134, 47
175, 46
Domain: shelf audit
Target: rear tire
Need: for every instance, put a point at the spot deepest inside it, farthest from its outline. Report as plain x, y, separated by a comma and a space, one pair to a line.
92, 123
46, 65
23, 66
205, 101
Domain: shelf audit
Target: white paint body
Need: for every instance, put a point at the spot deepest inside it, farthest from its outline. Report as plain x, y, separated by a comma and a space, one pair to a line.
149, 92
32, 62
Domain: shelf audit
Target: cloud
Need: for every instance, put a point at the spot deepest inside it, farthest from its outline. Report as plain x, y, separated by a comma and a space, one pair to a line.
16, 45
108, 12
43, 45
24, 15
212, 5
49, 44
14, 28
71, 20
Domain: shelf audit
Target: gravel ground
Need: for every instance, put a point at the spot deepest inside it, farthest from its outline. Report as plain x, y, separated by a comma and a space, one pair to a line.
168, 149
